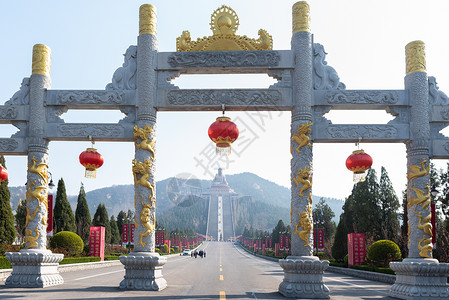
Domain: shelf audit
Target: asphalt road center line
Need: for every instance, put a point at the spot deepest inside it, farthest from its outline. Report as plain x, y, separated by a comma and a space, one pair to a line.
221, 277
222, 295
96, 275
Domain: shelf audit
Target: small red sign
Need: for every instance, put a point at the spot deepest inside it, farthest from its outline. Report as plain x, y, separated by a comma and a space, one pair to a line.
125, 233
50, 214
96, 241
356, 248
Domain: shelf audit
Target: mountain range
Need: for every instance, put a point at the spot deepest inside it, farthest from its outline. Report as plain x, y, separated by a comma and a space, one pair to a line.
263, 199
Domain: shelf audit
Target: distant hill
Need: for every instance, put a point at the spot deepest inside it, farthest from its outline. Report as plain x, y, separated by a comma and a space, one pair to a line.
265, 202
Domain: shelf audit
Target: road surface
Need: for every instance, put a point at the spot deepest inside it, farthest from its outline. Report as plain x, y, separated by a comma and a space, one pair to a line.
228, 272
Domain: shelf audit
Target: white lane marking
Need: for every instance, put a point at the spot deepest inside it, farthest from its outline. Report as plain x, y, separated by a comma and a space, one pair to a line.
96, 275
356, 285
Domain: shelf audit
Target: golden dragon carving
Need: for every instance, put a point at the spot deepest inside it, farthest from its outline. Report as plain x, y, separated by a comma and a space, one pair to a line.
303, 177
144, 135
425, 247
425, 224
30, 239
422, 198
148, 220
306, 224
301, 137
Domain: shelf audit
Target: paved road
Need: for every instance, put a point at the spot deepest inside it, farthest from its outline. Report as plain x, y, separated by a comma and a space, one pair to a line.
226, 273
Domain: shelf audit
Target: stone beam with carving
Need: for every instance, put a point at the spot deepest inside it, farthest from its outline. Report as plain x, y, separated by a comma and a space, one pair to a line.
81, 132
13, 146
228, 61
234, 99
370, 133
360, 99
91, 99
13, 113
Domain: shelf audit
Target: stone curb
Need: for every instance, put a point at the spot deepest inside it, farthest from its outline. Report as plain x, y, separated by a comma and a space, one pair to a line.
381, 277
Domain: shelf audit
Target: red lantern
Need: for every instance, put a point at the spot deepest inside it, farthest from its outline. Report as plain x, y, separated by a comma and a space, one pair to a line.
91, 160
3, 173
223, 132
358, 162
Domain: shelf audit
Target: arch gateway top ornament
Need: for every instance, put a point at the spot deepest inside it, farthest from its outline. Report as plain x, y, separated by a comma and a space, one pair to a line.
224, 24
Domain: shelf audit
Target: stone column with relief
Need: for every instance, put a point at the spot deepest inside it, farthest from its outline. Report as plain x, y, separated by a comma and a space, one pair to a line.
419, 276
144, 265
36, 266
303, 272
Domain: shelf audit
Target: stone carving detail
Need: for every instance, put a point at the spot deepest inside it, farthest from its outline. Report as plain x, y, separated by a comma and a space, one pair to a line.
446, 147
8, 145
218, 97
284, 78
436, 96
8, 113
400, 112
124, 78
362, 97
164, 79
415, 57
54, 113
324, 77
22, 96
365, 131
228, 59
445, 113
95, 130
91, 97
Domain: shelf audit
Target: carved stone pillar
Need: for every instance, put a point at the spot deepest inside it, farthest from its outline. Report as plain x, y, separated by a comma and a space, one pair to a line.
144, 265
419, 276
35, 266
303, 272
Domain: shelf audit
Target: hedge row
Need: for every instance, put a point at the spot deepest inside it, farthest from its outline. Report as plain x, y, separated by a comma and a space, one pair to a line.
77, 260
373, 269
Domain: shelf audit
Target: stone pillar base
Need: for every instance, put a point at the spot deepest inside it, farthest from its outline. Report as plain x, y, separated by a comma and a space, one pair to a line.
420, 279
143, 271
34, 268
303, 278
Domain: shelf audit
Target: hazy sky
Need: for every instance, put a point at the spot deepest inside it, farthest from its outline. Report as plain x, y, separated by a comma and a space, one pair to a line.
364, 40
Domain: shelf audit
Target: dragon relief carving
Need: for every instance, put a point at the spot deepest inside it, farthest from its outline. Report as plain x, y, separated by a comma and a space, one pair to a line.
425, 246
424, 223
301, 137
144, 135
30, 239
22, 96
148, 221
306, 224
303, 177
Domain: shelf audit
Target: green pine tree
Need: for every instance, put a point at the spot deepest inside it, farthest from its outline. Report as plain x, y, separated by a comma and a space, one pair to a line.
64, 219
7, 229
115, 234
83, 219
389, 207
276, 233
322, 217
101, 219
121, 219
21, 214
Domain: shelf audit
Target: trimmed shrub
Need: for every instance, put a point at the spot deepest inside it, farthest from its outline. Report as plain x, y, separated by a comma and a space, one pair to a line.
382, 252
164, 248
78, 260
68, 241
4, 263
